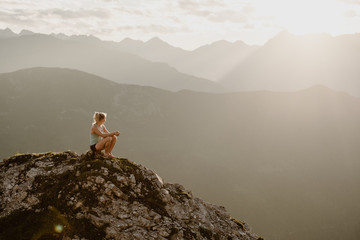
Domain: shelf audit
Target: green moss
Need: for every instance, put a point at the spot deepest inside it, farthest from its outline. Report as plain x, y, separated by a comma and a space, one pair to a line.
128, 163
65, 184
153, 201
239, 223
18, 159
150, 194
186, 194
180, 195
57, 157
94, 167
97, 164
57, 189
73, 161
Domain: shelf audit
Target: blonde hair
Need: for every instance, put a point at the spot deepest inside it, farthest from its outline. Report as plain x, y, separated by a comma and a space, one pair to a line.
98, 116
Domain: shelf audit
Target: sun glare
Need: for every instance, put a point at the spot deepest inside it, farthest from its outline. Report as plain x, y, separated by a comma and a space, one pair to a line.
58, 228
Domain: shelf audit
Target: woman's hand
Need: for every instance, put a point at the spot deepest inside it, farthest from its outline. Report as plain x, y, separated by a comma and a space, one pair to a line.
117, 133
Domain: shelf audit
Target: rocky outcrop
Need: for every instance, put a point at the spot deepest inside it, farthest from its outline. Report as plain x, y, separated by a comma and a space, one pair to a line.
67, 196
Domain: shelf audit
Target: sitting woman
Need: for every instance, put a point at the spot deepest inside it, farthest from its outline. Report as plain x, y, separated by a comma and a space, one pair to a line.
100, 137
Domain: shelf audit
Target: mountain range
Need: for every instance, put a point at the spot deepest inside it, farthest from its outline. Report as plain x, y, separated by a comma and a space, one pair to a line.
288, 163
285, 63
211, 61
94, 56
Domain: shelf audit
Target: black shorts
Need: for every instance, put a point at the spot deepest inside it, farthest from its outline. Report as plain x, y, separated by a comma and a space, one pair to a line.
93, 148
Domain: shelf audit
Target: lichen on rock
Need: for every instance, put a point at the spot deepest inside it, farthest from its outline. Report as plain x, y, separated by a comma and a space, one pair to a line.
70, 196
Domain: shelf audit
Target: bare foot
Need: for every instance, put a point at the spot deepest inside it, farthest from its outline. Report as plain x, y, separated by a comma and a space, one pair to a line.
108, 155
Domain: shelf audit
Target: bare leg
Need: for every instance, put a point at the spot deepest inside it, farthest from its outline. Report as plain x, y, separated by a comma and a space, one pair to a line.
112, 144
101, 145
107, 147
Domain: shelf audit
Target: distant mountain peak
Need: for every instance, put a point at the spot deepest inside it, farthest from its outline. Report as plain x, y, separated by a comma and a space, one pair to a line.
222, 41
6, 33
8, 30
84, 37
26, 32
130, 40
61, 36
157, 41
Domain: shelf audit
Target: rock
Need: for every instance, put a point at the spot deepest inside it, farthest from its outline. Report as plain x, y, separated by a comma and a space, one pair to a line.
99, 180
32, 200
165, 195
104, 199
33, 172
132, 180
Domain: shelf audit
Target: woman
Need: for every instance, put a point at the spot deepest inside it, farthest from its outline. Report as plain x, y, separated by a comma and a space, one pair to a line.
100, 137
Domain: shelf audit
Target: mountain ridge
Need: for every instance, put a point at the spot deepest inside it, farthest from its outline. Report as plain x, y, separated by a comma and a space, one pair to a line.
287, 62
96, 57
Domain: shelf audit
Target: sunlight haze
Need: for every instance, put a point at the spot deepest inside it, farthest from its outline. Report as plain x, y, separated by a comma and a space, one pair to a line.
183, 23
252, 106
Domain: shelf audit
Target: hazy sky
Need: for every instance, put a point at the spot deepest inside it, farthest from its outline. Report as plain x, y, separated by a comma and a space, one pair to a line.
183, 23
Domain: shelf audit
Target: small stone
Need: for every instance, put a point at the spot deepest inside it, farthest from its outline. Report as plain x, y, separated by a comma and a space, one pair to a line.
159, 179
110, 231
33, 173
157, 218
78, 204
163, 233
108, 191
117, 191
132, 179
99, 180
138, 235
123, 216
166, 197
22, 196
32, 200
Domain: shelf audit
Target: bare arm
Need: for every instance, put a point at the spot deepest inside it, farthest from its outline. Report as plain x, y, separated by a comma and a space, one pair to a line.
105, 129
104, 135
117, 133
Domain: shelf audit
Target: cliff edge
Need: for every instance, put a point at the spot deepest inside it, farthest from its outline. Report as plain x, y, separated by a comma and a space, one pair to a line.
70, 196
